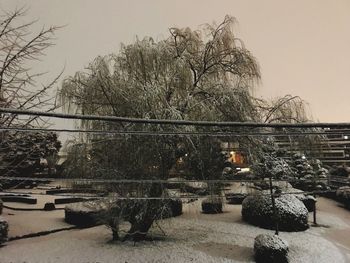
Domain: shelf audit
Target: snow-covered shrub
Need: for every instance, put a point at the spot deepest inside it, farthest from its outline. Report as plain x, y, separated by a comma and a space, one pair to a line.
343, 195
309, 201
49, 206
4, 228
81, 214
270, 248
309, 174
291, 212
175, 207
235, 198
212, 205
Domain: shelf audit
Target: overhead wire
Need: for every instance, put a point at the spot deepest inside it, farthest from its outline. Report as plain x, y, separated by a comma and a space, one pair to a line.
165, 133
174, 122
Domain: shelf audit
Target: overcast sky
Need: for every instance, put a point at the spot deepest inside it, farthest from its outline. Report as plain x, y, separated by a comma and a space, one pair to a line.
302, 46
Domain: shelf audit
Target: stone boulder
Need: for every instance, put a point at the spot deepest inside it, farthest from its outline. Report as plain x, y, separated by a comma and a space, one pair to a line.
270, 248
212, 206
291, 212
4, 228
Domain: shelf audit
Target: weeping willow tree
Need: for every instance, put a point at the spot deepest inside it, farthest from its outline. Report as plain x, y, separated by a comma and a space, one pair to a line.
293, 109
204, 74
201, 74
192, 75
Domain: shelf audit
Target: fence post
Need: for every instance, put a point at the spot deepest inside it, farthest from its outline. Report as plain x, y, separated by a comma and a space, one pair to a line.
315, 222
274, 208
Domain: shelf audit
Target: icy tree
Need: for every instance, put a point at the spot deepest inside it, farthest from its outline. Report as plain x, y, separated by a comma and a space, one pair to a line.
271, 161
21, 154
309, 174
192, 75
19, 89
20, 46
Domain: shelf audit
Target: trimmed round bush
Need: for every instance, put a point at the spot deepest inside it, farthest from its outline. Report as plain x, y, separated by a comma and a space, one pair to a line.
49, 206
309, 201
212, 206
199, 188
4, 228
235, 198
291, 212
80, 215
270, 248
343, 195
175, 207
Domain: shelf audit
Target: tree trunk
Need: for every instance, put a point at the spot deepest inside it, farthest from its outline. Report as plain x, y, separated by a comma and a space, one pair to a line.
138, 230
144, 213
115, 234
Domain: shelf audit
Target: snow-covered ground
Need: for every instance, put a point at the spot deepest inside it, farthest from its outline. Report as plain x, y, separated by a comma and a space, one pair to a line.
191, 237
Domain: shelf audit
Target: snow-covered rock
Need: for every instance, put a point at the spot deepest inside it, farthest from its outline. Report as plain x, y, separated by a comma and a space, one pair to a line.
270, 248
292, 213
4, 228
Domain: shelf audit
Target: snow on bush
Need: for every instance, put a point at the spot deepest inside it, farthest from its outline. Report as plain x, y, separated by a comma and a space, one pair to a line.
212, 205
270, 248
4, 228
291, 212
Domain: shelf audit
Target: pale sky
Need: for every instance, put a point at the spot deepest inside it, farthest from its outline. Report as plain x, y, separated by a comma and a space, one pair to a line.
302, 46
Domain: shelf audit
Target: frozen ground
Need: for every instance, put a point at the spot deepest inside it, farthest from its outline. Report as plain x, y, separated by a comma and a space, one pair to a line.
192, 237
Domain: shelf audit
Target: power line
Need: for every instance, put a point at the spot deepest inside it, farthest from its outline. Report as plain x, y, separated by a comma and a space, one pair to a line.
196, 196
173, 122
125, 181
165, 133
